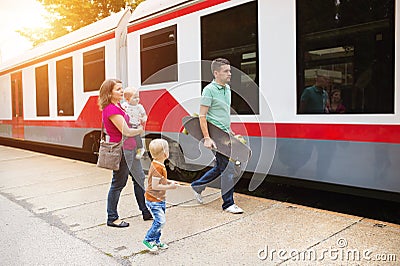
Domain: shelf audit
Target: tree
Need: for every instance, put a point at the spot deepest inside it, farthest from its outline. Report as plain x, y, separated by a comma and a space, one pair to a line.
65, 16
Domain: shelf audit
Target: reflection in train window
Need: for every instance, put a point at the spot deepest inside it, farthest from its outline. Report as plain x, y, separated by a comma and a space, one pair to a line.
239, 45
42, 91
65, 95
352, 44
93, 69
158, 55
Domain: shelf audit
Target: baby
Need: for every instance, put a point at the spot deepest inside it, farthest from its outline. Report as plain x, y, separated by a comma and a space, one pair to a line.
137, 115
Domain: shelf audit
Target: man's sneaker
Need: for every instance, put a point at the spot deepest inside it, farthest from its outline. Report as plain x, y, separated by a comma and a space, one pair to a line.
139, 153
198, 196
162, 246
234, 209
151, 246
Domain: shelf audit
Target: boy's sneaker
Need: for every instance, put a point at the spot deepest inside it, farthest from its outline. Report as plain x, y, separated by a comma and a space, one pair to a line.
151, 246
162, 246
198, 196
139, 153
234, 209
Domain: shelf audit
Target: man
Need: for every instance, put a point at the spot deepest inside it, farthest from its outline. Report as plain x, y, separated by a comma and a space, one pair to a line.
215, 108
314, 99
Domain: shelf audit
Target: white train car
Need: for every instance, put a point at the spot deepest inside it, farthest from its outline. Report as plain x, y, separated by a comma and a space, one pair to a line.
49, 94
276, 48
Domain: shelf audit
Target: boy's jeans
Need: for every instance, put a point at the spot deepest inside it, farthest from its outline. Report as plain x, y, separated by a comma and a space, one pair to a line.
157, 209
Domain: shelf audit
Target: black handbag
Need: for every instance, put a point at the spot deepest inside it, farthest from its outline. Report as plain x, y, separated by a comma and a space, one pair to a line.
110, 153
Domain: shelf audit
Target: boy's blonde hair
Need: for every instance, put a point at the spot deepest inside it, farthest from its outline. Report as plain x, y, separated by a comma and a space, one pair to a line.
129, 92
157, 147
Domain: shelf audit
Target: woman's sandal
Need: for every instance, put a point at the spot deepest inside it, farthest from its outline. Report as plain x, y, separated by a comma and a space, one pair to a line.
120, 224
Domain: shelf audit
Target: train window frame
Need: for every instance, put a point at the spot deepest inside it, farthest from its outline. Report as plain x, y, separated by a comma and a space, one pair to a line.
356, 52
65, 87
42, 90
243, 53
94, 70
159, 57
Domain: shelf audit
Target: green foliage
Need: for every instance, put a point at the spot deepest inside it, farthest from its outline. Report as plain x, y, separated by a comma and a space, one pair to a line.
65, 16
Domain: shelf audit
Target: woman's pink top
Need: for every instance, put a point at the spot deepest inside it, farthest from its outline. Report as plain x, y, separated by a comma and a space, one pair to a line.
112, 130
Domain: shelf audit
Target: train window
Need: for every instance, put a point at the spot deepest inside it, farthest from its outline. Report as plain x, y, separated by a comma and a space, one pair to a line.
42, 91
240, 46
158, 51
347, 47
65, 95
94, 72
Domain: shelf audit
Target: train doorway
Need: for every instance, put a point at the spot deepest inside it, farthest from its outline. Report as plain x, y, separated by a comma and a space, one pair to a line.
17, 106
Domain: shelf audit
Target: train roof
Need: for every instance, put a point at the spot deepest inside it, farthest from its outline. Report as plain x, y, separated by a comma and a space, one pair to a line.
95, 29
151, 7
144, 10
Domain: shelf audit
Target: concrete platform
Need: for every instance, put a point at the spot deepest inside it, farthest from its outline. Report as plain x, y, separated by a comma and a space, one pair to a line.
54, 209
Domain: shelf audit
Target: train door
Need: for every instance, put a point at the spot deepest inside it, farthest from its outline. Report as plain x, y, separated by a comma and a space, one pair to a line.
17, 106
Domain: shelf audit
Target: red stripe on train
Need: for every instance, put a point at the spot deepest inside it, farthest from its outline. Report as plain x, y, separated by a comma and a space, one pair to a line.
165, 115
341, 132
175, 14
90, 117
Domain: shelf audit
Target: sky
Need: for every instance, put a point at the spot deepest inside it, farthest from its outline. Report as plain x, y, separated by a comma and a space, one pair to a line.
14, 15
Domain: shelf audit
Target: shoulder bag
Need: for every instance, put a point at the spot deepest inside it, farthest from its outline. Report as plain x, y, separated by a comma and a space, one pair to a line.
110, 153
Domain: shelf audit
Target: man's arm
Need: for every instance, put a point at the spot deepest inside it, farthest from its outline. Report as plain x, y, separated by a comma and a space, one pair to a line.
302, 108
303, 102
208, 142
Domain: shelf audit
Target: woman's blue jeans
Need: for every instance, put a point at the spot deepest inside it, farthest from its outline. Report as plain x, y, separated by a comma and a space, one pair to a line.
129, 165
224, 168
157, 209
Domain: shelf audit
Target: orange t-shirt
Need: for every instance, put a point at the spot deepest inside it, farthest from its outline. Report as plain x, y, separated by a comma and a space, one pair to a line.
157, 169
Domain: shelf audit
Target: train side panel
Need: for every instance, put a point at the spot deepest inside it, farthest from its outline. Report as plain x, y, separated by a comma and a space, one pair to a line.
273, 49
354, 149
365, 154
56, 127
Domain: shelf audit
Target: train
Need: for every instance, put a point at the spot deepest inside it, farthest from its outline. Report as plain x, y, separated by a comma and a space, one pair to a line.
277, 48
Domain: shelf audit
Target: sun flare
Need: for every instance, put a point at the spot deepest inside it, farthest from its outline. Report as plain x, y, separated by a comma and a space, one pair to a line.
19, 15
33, 17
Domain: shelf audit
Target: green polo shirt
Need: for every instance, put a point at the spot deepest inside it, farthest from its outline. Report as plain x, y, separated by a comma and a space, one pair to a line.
315, 100
218, 99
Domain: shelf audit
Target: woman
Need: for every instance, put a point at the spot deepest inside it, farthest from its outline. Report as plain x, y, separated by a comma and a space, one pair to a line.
335, 105
116, 124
